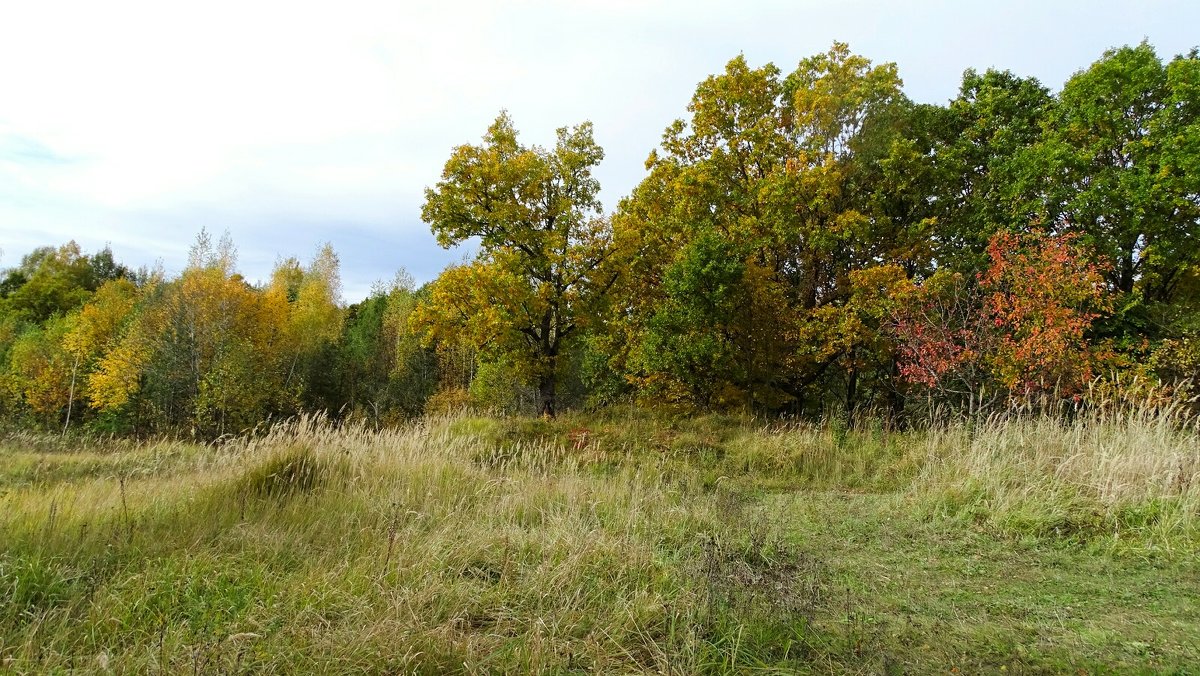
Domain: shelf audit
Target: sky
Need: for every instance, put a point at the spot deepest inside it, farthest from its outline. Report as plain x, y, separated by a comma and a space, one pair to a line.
289, 124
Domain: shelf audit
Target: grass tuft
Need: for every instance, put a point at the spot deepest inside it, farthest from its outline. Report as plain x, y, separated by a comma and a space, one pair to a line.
290, 471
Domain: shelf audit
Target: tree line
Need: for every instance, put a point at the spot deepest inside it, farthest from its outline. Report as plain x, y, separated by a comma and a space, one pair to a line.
804, 243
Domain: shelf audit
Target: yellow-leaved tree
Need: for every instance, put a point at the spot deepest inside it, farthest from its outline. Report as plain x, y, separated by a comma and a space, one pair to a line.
40, 370
310, 300
95, 329
538, 272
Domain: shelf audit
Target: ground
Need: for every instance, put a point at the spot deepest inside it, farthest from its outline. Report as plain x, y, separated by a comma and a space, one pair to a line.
602, 544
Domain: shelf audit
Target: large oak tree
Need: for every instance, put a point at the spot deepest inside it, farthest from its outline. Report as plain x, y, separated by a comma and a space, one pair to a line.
536, 216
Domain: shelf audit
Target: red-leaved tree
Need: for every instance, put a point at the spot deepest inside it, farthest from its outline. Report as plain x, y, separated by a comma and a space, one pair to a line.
1041, 295
1020, 329
940, 336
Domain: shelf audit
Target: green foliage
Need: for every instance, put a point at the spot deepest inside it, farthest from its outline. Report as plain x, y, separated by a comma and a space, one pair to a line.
1118, 138
689, 336
795, 231
52, 282
501, 387
803, 180
383, 370
986, 176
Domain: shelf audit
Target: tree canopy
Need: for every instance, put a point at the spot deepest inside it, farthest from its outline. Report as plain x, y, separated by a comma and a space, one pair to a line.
536, 215
804, 242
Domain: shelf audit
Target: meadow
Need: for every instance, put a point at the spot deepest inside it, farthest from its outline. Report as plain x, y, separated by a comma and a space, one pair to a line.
615, 543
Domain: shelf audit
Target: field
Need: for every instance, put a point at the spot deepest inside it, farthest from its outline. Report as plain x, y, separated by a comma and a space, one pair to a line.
614, 543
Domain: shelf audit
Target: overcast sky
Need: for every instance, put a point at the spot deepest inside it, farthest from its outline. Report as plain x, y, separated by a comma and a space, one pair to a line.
290, 124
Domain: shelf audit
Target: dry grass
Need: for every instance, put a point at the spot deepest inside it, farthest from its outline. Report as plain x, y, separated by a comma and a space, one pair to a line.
588, 544
324, 548
1133, 476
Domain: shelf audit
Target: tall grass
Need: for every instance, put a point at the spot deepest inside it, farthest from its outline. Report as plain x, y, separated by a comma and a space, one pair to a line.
322, 548
1122, 477
1133, 474
480, 545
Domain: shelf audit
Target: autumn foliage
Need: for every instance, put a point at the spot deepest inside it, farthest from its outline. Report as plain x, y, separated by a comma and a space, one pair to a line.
805, 242
1022, 327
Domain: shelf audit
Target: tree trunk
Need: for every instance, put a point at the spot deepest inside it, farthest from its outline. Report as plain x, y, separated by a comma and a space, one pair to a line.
549, 350
546, 393
1125, 273
895, 397
71, 396
851, 395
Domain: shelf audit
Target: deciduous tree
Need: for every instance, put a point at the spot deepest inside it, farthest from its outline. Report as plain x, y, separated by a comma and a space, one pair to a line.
535, 213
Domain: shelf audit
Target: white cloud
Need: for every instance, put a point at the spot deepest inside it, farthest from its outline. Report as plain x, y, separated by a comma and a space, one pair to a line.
287, 119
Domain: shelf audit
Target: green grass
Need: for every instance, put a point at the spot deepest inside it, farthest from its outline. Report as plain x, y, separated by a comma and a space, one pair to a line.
612, 543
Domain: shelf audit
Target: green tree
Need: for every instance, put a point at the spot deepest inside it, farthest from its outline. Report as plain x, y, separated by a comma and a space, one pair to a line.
49, 282
1123, 144
535, 212
386, 372
691, 335
808, 177
985, 177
